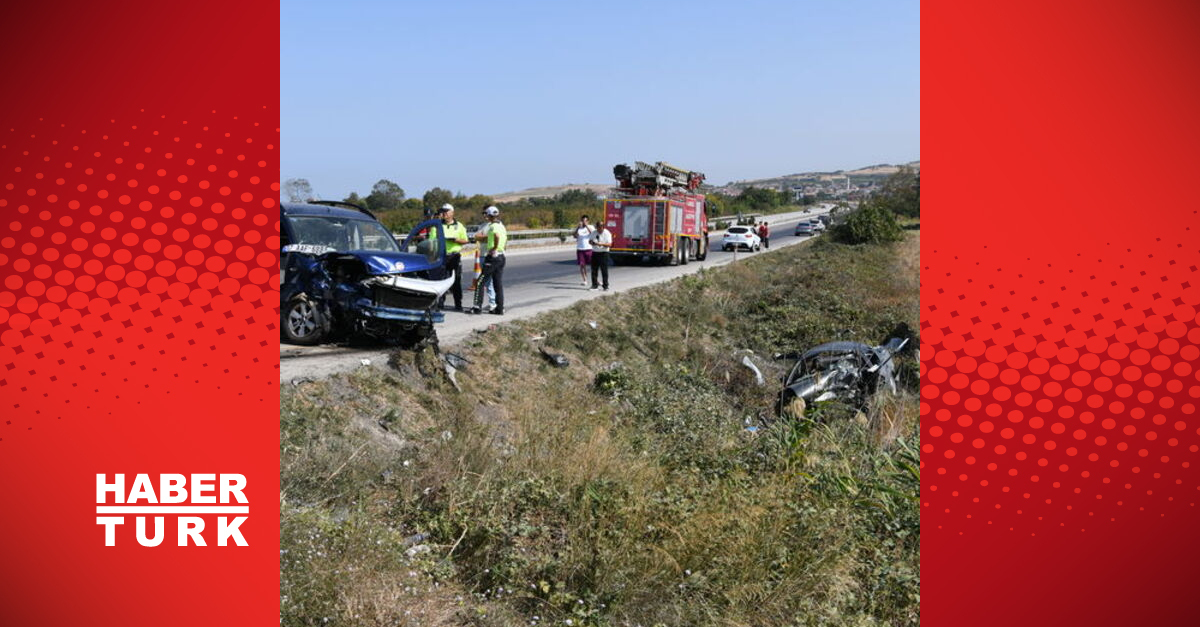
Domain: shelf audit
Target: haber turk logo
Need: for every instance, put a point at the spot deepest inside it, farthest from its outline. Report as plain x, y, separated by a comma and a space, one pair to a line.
199, 504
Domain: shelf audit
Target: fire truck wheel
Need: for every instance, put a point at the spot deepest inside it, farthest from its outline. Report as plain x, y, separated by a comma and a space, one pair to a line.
702, 249
685, 250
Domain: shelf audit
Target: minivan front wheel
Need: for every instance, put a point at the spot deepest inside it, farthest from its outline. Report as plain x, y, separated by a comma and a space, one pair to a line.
303, 323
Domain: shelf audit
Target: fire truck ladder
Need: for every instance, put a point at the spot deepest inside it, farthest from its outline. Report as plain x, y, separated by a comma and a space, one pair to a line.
644, 178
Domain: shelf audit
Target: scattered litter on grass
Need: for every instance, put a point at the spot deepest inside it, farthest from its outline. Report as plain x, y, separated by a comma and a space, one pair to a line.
451, 371
592, 323
417, 550
365, 362
537, 338
456, 360
300, 380
758, 376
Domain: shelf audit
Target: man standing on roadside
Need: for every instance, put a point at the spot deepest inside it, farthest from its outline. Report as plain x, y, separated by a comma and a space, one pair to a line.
493, 238
583, 247
601, 240
764, 233
456, 236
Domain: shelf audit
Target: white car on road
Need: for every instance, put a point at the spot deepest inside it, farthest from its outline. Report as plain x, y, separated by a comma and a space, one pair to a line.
741, 237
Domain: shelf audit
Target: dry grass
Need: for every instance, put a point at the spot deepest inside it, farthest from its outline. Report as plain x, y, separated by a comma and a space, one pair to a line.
891, 417
625, 488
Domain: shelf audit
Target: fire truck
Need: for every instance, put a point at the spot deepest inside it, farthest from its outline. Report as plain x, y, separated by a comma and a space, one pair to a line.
656, 214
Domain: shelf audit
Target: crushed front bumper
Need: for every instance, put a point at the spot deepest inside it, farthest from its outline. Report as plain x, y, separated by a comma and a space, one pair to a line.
402, 315
404, 299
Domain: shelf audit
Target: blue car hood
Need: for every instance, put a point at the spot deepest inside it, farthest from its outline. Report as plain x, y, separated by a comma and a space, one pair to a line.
378, 262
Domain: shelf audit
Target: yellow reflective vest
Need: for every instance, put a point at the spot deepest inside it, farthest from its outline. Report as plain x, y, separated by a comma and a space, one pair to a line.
454, 231
497, 237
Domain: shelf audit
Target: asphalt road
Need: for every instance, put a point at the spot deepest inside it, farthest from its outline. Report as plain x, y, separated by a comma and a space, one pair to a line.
552, 268
535, 280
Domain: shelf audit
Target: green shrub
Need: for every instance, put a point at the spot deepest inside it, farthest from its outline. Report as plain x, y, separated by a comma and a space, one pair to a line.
870, 224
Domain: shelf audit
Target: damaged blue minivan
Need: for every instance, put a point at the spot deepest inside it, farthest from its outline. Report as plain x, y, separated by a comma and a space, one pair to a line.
342, 275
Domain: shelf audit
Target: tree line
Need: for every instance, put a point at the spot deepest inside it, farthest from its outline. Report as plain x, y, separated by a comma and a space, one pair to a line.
388, 201
398, 212
754, 200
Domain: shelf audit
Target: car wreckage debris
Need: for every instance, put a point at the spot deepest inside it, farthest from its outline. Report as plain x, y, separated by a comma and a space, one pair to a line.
554, 359
843, 371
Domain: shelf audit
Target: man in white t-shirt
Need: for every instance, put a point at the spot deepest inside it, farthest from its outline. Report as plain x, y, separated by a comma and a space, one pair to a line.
602, 240
583, 247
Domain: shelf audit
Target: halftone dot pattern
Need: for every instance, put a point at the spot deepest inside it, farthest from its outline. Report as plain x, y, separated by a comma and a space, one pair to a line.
1061, 396
139, 255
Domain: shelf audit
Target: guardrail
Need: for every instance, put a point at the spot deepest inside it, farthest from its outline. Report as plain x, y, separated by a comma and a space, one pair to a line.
528, 233
518, 234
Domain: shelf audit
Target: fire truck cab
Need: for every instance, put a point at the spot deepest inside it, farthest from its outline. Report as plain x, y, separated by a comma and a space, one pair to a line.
656, 214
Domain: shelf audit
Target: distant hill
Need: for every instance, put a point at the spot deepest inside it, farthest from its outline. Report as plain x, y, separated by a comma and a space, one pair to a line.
547, 192
881, 170
878, 171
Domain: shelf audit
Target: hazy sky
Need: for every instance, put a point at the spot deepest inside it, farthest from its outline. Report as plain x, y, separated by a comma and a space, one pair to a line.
488, 97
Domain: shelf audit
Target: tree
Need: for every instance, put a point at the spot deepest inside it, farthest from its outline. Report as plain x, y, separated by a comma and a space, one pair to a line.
717, 205
759, 198
298, 190
437, 197
577, 196
385, 195
355, 199
474, 205
901, 193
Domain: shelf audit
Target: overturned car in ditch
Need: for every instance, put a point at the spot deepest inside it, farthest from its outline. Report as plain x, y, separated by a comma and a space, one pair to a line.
343, 275
843, 371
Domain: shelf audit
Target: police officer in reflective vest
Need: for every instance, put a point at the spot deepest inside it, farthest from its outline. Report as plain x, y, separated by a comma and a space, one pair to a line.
493, 237
456, 236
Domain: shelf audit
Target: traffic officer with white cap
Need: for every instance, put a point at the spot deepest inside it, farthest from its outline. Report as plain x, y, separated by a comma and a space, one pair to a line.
492, 237
456, 236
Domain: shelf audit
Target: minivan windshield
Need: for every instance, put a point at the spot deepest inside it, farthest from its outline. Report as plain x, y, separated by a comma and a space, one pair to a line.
342, 234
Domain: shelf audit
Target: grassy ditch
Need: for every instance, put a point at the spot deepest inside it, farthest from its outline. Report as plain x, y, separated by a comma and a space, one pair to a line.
625, 488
